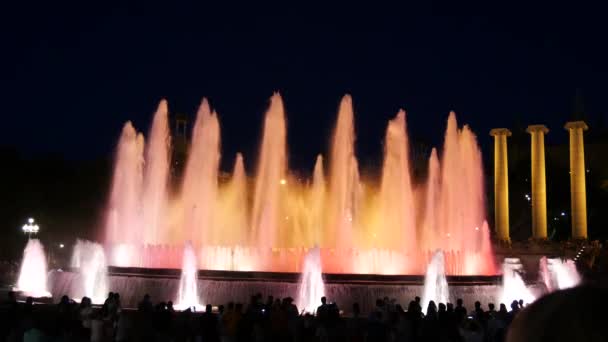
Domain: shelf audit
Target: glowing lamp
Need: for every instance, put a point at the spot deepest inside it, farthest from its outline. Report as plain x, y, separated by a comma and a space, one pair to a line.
30, 227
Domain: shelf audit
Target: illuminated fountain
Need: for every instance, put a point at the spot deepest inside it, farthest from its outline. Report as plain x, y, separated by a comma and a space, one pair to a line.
188, 283
32, 275
384, 224
311, 287
513, 285
90, 260
558, 274
435, 282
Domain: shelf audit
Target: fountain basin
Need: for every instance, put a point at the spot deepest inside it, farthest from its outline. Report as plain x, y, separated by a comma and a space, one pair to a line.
221, 287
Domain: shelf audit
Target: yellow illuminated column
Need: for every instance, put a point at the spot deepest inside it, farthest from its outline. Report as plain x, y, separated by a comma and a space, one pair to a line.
578, 199
539, 187
501, 183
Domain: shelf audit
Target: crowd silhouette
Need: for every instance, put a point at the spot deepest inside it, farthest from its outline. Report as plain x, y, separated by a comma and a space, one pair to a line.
273, 319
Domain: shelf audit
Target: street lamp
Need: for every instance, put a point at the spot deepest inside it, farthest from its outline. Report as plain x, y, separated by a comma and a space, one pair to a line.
30, 227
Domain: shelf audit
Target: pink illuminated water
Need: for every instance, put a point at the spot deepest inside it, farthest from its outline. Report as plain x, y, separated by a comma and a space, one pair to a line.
513, 285
435, 282
32, 275
156, 175
124, 224
388, 223
90, 260
558, 274
311, 287
188, 283
343, 180
397, 213
199, 190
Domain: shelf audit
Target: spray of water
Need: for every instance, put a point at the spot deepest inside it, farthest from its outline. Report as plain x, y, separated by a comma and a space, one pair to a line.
558, 274
513, 285
90, 259
188, 284
311, 287
270, 176
32, 276
382, 226
435, 283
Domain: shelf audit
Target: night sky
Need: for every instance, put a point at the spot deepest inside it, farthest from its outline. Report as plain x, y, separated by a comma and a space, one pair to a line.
71, 75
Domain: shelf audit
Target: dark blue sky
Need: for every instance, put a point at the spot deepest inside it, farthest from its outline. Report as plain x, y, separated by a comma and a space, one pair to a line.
71, 75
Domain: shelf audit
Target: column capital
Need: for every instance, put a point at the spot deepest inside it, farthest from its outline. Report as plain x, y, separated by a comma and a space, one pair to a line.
537, 128
576, 124
500, 131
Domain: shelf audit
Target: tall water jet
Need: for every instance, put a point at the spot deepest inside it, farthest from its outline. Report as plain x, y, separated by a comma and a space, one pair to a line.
461, 203
513, 285
199, 188
234, 208
343, 178
433, 186
473, 210
188, 283
451, 189
311, 287
398, 227
317, 201
90, 259
558, 274
435, 282
270, 176
32, 275
124, 219
156, 172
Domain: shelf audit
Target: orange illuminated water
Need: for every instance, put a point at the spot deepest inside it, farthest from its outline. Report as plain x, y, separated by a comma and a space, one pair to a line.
267, 219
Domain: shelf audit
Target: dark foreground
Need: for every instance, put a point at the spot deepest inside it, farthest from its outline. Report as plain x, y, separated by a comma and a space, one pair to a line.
569, 315
261, 320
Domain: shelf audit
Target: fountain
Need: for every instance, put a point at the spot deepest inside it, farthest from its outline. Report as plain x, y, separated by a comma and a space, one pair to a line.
311, 287
435, 282
90, 260
558, 274
188, 283
32, 275
513, 285
384, 224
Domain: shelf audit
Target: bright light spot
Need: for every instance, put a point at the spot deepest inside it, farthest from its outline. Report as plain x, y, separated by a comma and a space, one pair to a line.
587, 170
30, 227
563, 213
287, 217
283, 181
476, 228
448, 235
61, 245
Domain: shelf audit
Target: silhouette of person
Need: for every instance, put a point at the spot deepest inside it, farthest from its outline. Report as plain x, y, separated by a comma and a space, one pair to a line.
460, 311
209, 325
145, 305
322, 310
